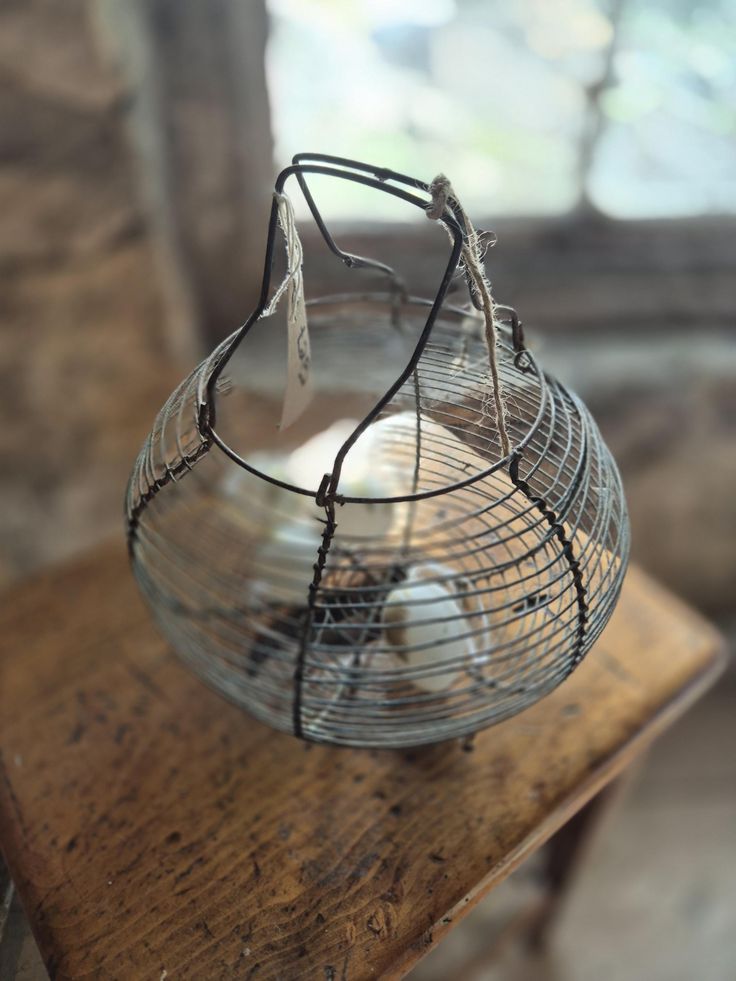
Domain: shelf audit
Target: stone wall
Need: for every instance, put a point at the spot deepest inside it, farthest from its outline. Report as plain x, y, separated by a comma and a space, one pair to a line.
83, 365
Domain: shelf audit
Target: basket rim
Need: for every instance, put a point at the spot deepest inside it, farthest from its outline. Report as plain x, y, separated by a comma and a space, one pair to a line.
530, 366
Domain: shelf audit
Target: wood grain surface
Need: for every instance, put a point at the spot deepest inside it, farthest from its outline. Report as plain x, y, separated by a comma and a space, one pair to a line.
154, 831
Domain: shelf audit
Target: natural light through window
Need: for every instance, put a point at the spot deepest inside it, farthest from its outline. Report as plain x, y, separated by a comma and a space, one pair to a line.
532, 108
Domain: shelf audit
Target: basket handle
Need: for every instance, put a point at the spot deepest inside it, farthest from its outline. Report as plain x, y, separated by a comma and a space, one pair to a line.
378, 178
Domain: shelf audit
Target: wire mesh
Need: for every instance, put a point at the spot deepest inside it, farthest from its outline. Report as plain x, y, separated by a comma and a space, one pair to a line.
439, 586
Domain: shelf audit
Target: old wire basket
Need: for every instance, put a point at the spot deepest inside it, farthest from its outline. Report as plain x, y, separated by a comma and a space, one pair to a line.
385, 569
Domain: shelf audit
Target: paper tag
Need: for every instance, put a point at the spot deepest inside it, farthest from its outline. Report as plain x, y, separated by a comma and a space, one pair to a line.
298, 392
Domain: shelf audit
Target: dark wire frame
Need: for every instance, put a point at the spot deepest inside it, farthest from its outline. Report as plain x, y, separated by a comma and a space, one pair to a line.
587, 603
452, 219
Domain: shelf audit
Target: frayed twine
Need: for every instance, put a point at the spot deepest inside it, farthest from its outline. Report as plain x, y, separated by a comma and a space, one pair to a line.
472, 254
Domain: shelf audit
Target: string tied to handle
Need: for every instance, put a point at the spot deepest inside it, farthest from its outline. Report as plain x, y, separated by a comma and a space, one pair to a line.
441, 192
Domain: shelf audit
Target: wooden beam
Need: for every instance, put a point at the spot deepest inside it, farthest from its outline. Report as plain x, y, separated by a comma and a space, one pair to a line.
200, 121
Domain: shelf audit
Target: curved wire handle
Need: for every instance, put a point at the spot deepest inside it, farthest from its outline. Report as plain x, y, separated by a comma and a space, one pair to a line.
378, 178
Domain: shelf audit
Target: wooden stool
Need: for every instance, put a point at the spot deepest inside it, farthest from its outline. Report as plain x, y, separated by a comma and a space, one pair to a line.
155, 831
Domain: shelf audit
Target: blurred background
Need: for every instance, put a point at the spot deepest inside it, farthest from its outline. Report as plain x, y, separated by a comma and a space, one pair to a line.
139, 140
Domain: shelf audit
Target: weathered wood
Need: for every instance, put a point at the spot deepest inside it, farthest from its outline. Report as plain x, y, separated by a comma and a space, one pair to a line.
150, 827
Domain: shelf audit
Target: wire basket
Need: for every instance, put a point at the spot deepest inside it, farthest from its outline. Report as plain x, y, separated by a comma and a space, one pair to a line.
397, 565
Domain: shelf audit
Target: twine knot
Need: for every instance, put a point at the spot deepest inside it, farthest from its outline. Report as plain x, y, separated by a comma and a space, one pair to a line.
440, 189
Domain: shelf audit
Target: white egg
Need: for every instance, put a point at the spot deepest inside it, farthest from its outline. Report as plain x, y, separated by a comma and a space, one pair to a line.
443, 454
360, 477
409, 614
308, 464
379, 465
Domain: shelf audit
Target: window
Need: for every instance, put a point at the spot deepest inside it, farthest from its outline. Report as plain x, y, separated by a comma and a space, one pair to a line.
531, 108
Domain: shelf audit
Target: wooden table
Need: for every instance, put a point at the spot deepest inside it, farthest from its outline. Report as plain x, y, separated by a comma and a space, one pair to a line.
155, 831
